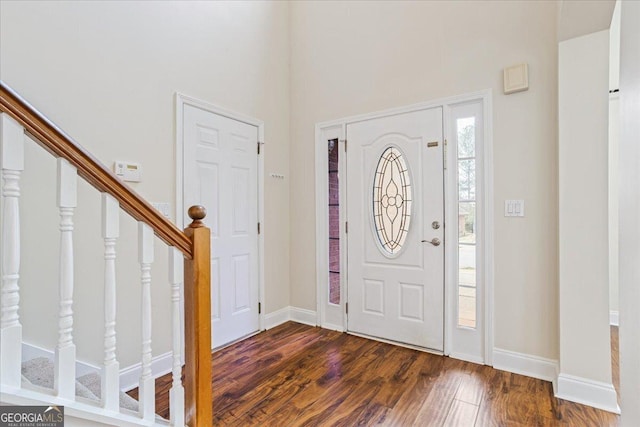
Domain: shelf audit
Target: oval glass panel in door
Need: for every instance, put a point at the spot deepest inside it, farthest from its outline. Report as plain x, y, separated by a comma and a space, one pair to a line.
391, 200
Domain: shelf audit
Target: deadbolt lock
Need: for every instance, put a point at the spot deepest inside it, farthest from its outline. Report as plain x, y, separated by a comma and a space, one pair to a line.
435, 225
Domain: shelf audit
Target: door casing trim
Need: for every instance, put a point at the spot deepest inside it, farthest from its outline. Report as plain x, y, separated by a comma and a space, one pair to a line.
338, 127
180, 101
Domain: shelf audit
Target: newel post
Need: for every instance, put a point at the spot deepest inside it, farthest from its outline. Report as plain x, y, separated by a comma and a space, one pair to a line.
197, 294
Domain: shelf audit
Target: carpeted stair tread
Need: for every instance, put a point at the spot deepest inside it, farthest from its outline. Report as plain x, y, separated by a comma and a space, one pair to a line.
40, 372
92, 381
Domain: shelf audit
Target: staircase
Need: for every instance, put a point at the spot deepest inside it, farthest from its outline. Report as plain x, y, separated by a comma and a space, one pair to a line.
39, 372
97, 396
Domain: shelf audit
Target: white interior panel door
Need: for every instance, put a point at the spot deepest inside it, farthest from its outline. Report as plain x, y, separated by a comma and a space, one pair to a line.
220, 173
395, 210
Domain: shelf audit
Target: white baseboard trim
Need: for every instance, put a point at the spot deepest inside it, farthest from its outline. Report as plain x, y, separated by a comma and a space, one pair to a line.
467, 358
295, 314
332, 327
31, 351
278, 317
130, 376
588, 392
614, 318
525, 364
301, 315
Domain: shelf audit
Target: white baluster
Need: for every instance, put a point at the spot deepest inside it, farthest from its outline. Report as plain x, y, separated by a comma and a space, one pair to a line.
176, 394
111, 368
147, 383
12, 157
65, 357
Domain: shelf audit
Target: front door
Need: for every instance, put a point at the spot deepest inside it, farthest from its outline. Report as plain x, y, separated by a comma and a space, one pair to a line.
395, 228
221, 173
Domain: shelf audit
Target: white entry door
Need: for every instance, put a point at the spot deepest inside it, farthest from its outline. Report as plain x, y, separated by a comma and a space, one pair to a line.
395, 228
220, 173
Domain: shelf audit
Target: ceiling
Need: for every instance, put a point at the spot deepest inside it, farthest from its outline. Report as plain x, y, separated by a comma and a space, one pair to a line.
580, 17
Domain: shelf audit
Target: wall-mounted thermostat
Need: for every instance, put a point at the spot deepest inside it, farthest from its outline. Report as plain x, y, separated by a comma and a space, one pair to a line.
128, 171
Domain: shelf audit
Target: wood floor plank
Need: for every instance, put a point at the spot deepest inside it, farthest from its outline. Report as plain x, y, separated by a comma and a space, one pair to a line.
297, 375
398, 375
493, 406
244, 397
438, 402
353, 401
408, 406
471, 389
461, 414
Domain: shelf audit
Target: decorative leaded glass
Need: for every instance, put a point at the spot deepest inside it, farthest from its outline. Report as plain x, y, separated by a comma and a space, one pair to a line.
392, 200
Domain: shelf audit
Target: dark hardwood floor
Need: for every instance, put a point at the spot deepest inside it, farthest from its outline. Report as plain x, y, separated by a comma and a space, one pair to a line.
297, 375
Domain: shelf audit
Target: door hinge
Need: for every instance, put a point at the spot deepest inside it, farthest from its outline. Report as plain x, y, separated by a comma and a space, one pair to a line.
346, 227
346, 307
345, 145
259, 307
445, 154
258, 228
259, 144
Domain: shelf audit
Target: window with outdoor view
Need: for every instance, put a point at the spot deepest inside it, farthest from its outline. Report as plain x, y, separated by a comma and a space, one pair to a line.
466, 148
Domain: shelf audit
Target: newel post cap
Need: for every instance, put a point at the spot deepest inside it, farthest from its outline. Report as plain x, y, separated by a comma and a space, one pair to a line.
197, 214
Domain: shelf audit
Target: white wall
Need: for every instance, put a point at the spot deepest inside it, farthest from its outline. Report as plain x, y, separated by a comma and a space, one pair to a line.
357, 57
614, 135
106, 72
583, 196
613, 155
614, 48
629, 213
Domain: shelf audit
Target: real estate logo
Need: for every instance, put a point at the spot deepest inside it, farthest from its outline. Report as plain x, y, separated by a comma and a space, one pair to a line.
32, 416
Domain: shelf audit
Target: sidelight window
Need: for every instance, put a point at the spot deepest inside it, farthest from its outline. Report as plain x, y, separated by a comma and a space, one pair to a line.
466, 148
334, 223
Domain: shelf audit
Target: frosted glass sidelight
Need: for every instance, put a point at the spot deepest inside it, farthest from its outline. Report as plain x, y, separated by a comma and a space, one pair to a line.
391, 200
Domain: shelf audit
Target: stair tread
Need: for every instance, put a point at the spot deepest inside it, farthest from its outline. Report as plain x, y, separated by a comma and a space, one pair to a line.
92, 381
40, 372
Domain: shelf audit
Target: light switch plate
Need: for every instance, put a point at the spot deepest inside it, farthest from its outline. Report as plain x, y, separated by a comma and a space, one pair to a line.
514, 208
163, 207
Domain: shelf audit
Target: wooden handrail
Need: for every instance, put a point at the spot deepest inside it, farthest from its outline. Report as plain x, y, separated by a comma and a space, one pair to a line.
194, 243
58, 143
